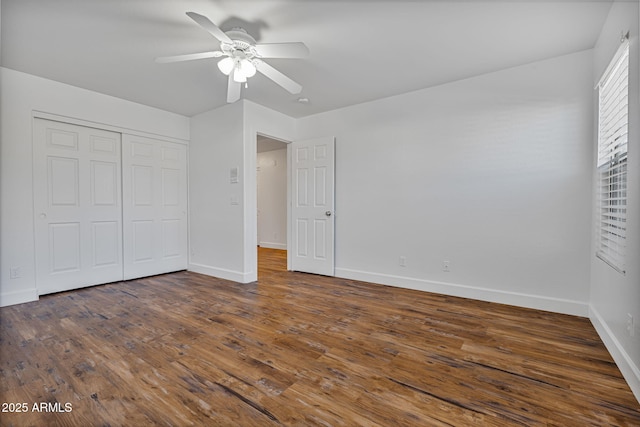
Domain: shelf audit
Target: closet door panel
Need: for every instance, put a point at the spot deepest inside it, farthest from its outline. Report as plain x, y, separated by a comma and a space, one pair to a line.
78, 209
105, 251
154, 206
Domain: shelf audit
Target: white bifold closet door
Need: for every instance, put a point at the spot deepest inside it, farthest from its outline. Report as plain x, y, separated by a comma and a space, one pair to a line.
78, 206
108, 206
154, 206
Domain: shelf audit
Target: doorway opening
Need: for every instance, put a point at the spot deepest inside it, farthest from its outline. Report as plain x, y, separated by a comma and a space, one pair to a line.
271, 186
271, 262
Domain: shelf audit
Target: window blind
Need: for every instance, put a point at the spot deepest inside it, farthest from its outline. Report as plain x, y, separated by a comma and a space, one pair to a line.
613, 108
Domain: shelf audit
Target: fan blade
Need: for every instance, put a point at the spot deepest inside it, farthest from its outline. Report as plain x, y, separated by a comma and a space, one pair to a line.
278, 77
282, 50
189, 57
233, 90
212, 28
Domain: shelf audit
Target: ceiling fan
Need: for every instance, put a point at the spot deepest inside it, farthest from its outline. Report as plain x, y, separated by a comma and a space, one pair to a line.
242, 57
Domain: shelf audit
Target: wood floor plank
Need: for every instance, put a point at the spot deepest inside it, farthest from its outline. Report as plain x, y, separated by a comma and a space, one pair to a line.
297, 349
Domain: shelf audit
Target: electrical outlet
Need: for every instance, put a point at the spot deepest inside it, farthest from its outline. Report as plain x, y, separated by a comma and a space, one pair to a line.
402, 261
630, 325
15, 273
446, 266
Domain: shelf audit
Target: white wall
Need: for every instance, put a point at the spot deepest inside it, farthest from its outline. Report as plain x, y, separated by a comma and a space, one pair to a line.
272, 199
216, 221
490, 173
223, 235
614, 295
22, 96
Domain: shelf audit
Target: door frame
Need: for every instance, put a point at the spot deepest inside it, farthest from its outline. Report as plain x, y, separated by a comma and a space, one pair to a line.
250, 199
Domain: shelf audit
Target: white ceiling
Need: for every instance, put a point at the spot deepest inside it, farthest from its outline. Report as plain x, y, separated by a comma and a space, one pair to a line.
361, 50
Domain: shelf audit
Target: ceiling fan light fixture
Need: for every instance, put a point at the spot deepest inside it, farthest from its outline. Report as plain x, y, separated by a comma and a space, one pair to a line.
238, 77
226, 65
246, 68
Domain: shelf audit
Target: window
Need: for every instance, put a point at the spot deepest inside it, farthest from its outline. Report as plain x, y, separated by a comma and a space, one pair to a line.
613, 108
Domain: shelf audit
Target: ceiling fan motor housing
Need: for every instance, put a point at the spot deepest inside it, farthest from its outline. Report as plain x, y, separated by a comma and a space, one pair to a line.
243, 44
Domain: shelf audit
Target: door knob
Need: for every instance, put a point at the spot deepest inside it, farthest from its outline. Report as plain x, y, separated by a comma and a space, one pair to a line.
328, 213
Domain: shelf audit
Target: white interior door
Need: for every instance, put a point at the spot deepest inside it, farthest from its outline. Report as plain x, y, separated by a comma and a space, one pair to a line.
312, 206
78, 210
154, 206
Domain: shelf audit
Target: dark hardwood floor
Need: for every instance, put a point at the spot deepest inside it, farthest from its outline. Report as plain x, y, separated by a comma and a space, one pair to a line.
299, 350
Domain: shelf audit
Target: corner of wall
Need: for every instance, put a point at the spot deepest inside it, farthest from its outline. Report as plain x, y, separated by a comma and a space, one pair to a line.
614, 296
263, 120
222, 273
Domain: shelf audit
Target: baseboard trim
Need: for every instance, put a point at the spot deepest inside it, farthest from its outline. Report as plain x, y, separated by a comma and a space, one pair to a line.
630, 371
18, 297
272, 245
222, 273
556, 305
